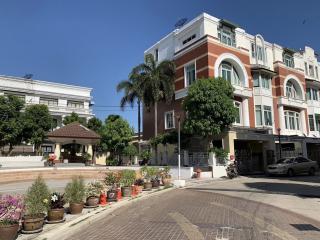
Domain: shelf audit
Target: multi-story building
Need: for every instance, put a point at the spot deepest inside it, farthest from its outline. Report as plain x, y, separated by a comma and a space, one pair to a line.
61, 99
276, 89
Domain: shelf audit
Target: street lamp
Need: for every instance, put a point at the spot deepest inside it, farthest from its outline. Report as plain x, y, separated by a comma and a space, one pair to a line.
179, 182
279, 137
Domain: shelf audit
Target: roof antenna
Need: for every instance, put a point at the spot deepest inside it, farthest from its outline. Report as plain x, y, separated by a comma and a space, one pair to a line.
181, 22
28, 76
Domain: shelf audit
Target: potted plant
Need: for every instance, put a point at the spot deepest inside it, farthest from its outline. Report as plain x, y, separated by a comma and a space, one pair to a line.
127, 180
112, 182
147, 173
88, 159
155, 177
93, 191
74, 194
56, 209
198, 173
165, 176
10, 214
36, 202
145, 156
139, 184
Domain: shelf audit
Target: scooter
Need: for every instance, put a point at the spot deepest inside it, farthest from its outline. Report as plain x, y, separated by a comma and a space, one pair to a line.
232, 171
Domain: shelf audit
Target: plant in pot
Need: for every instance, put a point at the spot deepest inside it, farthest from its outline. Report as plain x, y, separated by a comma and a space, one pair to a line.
112, 182
93, 191
74, 194
37, 204
10, 215
56, 209
88, 159
165, 176
147, 173
127, 180
139, 184
155, 177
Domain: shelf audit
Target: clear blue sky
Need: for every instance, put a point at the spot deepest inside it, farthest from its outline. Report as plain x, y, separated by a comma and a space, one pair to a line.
96, 43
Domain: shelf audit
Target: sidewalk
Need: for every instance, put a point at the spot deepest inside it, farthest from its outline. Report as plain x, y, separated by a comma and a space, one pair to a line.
300, 195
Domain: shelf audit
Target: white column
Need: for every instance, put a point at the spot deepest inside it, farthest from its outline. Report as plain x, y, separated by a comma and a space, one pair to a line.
57, 150
281, 118
303, 122
304, 148
89, 150
245, 112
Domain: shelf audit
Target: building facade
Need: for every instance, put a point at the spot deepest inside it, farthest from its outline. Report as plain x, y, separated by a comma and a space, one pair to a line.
61, 99
276, 89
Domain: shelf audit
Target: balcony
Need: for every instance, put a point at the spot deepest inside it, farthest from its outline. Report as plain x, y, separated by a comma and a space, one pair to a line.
292, 102
242, 91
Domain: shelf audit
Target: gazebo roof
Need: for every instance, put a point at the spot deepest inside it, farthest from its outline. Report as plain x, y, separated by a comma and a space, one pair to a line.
73, 130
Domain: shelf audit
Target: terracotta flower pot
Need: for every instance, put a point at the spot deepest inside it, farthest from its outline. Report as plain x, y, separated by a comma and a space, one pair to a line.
92, 201
126, 191
76, 208
166, 181
139, 189
9, 232
147, 186
55, 214
33, 223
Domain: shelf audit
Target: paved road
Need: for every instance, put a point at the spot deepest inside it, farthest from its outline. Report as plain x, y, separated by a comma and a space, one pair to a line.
197, 215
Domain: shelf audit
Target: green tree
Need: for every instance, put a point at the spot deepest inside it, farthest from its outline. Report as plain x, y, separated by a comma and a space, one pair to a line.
115, 134
11, 124
210, 108
132, 93
130, 151
74, 117
95, 124
37, 122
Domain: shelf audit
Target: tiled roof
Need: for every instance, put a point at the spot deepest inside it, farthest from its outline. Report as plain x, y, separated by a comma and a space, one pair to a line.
74, 130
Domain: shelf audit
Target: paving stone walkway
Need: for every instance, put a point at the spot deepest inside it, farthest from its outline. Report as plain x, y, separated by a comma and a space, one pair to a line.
196, 215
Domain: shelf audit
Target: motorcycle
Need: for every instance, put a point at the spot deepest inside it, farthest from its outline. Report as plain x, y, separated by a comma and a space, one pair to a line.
232, 171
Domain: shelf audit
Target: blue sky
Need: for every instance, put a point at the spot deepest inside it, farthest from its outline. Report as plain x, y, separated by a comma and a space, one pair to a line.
96, 43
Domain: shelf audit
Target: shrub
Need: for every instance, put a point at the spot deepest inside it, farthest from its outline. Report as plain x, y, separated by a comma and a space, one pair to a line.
111, 162
75, 190
112, 179
10, 209
165, 172
93, 189
127, 177
36, 199
56, 200
149, 173
145, 155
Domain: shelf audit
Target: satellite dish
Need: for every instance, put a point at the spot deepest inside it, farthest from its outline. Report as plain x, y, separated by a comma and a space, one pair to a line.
28, 76
181, 22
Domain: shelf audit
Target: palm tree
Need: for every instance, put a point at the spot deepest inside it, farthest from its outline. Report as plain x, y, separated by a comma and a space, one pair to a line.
132, 94
156, 83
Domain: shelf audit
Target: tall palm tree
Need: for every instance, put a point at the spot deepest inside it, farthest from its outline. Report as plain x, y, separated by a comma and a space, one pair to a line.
132, 94
156, 83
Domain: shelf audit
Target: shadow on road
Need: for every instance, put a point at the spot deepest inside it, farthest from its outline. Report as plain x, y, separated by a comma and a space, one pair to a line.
300, 178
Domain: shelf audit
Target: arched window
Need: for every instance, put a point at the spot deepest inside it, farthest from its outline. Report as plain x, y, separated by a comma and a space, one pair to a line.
292, 90
228, 72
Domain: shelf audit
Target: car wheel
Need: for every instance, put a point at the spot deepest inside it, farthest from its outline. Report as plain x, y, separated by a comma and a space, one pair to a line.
312, 172
290, 172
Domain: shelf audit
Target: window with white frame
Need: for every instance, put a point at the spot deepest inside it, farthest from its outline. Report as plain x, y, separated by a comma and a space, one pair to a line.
263, 115
238, 112
229, 73
253, 50
291, 90
317, 73
190, 73
311, 122
262, 80
227, 36
48, 101
292, 120
169, 120
288, 60
256, 80
306, 68
311, 71
260, 53
188, 39
312, 94
75, 104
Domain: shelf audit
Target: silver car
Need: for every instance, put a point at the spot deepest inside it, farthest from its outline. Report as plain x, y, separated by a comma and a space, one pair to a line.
292, 166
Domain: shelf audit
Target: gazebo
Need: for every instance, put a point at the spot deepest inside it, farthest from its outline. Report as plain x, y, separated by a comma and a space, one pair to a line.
72, 141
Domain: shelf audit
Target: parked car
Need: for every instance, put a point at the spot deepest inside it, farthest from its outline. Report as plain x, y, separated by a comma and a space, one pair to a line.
292, 166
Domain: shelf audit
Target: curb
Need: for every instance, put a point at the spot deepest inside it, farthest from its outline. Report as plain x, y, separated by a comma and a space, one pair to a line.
67, 229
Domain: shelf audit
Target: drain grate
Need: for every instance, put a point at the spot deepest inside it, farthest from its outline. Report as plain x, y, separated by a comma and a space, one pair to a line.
305, 227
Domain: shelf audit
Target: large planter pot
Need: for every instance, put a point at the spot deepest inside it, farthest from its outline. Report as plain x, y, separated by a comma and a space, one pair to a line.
126, 191
9, 232
55, 214
76, 208
166, 181
147, 186
139, 188
112, 195
92, 201
155, 183
33, 223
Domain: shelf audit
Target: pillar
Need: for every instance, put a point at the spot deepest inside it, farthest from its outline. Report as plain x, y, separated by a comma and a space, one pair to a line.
57, 150
303, 122
304, 148
228, 143
245, 112
281, 118
89, 150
